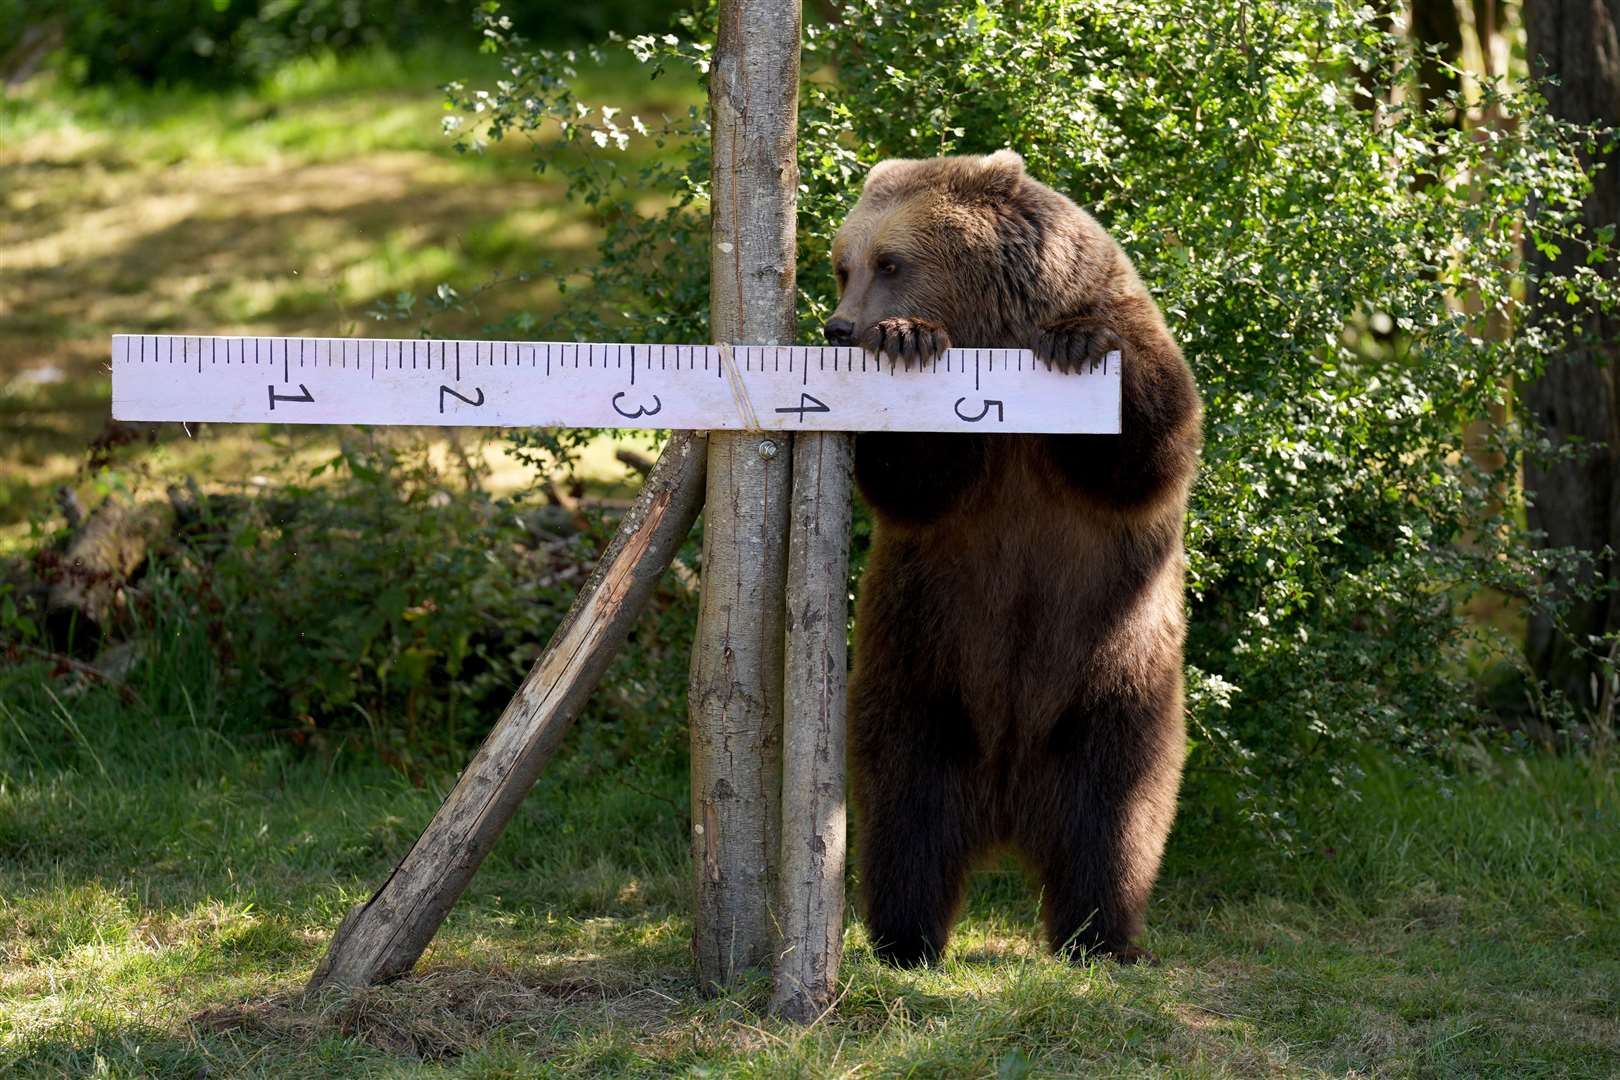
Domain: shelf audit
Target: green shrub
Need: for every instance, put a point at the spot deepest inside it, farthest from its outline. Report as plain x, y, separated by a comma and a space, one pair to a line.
397, 609
1331, 262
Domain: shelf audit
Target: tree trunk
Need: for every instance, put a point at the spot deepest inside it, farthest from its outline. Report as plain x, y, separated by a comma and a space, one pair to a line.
1437, 30
736, 688
382, 938
1577, 504
810, 898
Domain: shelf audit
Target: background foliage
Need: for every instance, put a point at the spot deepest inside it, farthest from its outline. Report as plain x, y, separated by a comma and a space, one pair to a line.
1339, 263
215, 41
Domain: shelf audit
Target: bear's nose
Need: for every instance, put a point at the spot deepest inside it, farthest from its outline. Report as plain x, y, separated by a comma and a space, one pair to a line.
839, 331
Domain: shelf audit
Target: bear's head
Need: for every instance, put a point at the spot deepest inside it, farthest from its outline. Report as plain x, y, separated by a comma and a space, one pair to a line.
971, 244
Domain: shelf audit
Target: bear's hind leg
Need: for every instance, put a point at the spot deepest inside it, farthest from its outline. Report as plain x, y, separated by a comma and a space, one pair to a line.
914, 859
918, 827
1097, 843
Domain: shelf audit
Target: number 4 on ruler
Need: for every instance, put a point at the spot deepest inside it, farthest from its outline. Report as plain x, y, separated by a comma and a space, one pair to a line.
807, 404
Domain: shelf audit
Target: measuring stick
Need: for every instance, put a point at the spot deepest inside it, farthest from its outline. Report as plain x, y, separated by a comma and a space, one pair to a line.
439, 383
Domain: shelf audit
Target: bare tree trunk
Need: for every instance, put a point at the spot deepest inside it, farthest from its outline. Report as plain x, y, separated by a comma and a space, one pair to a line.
382, 938
1437, 30
810, 899
1577, 504
736, 689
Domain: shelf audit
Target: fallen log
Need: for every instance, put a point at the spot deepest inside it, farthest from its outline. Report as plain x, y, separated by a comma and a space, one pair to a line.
92, 570
634, 459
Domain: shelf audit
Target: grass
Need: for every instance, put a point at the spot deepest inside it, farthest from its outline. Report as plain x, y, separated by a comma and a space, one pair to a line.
168, 880
293, 207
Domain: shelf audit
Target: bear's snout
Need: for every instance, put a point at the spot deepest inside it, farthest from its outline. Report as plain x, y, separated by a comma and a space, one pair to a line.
839, 332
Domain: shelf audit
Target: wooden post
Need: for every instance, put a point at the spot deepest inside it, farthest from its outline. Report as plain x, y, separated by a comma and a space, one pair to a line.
736, 688
382, 938
810, 895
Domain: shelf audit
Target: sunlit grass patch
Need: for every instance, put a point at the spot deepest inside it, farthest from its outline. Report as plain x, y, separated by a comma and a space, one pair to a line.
295, 207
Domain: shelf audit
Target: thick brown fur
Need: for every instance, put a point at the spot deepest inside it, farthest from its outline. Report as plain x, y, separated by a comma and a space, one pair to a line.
1019, 629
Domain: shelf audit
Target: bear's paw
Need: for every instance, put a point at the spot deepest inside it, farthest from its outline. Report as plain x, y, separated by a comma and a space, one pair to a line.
906, 340
1077, 344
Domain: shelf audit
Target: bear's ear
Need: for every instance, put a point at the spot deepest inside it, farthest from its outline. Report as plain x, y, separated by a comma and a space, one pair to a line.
885, 172
1001, 171
992, 178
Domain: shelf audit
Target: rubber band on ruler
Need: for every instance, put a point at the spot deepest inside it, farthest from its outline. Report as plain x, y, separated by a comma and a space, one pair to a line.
739, 390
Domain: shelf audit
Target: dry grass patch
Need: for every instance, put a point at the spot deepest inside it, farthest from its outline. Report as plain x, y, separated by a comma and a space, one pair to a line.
441, 1014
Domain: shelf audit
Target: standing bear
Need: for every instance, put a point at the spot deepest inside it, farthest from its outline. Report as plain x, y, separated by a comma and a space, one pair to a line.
1018, 641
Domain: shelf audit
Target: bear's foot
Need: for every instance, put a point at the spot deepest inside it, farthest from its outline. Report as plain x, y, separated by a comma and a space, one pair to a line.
1122, 954
907, 950
1077, 344
1132, 954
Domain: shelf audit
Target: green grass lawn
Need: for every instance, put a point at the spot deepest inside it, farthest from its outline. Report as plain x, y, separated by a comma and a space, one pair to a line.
168, 881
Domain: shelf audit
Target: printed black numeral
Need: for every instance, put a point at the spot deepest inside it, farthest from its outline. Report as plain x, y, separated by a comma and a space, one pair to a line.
807, 404
459, 396
306, 396
641, 410
1001, 416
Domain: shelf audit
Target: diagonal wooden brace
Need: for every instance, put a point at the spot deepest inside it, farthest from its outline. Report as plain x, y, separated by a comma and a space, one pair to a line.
383, 938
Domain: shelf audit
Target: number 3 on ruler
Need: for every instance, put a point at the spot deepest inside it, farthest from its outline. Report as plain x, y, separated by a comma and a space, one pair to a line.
641, 410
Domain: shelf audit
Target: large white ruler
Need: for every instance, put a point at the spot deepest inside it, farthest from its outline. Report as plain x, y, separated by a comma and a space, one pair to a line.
573, 384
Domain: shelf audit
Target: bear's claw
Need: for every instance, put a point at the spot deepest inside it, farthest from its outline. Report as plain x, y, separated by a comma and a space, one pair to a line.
905, 340
1077, 344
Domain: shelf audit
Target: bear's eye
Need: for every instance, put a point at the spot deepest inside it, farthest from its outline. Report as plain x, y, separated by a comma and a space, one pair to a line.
843, 276
888, 267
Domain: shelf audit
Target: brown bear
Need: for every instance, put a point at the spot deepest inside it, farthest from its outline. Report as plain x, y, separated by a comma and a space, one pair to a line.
1018, 640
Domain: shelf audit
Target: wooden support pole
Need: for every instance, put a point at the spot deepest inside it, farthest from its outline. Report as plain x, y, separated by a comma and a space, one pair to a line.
810, 893
736, 707
736, 688
382, 938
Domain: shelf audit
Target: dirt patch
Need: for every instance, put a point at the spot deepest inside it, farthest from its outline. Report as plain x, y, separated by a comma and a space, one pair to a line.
440, 1015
